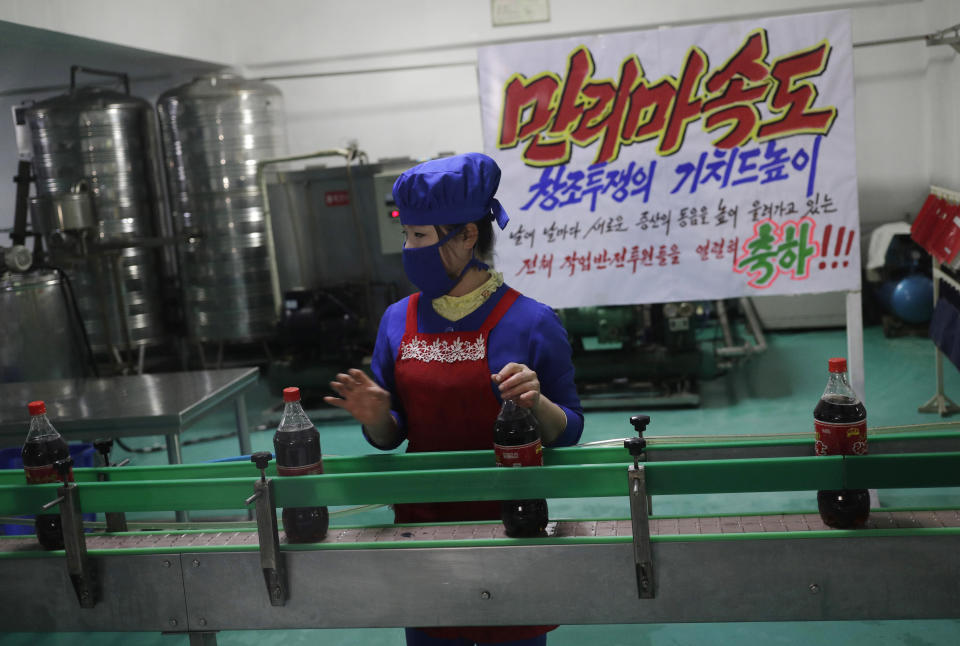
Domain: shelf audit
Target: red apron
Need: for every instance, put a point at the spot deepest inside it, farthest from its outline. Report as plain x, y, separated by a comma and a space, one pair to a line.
443, 381
444, 384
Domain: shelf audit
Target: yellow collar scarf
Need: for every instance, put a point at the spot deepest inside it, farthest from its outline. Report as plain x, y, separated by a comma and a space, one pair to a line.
454, 308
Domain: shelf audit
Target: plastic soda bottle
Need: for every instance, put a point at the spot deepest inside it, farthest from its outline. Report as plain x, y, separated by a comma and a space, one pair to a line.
516, 443
840, 424
297, 447
44, 446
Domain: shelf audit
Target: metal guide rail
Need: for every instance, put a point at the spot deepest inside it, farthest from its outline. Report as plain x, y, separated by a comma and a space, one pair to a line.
780, 567
488, 533
920, 438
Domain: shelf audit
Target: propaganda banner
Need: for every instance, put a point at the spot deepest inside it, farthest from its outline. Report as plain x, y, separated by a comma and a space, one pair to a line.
687, 163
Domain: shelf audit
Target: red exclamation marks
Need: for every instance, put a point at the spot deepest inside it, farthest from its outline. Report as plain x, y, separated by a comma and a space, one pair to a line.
839, 248
836, 251
825, 245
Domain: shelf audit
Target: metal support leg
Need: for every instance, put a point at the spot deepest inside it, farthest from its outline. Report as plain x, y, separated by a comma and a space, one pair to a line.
642, 554
203, 639
243, 431
174, 457
116, 520
83, 576
173, 449
858, 378
203, 357
268, 533
939, 403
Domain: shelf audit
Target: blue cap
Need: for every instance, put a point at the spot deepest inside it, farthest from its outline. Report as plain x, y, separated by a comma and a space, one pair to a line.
451, 190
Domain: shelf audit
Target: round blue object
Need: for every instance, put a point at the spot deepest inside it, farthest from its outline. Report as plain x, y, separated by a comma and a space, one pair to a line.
912, 299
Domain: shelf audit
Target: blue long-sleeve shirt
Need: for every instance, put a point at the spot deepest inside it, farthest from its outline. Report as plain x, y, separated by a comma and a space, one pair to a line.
529, 333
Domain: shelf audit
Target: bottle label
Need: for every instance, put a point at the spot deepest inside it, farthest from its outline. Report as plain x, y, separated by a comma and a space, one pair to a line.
525, 455
841, 439
44, 474
306, 470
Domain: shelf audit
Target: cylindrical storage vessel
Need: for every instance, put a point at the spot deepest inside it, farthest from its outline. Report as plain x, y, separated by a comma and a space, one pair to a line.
215, 129
98, 144
40, 337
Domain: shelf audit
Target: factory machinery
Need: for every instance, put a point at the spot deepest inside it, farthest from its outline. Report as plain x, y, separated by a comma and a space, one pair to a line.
640, 569
238, 251
117, 266
342, 264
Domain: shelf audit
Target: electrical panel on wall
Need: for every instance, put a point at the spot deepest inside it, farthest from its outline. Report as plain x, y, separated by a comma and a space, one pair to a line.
388, 217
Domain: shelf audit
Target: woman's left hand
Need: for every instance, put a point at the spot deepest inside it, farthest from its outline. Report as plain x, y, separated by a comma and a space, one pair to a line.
519, 383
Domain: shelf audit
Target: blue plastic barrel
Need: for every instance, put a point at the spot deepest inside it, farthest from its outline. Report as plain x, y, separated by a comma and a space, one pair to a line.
82, 454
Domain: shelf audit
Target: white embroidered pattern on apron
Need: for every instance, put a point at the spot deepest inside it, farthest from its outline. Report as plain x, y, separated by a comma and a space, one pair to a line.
421, 350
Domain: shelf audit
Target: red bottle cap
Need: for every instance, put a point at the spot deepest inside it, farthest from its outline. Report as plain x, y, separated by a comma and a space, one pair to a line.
37, 408
837, 364
291, 395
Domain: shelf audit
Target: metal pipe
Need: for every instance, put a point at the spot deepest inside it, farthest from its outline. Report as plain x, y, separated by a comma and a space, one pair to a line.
96, 264
372, 70
358, 227
473, 63
294, 224
720, 440
934, 38
122, 307
892, 41
753, 324
724, 323
756, 329
268, 220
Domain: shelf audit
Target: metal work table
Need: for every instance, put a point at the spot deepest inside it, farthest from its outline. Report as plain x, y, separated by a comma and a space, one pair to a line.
157, 404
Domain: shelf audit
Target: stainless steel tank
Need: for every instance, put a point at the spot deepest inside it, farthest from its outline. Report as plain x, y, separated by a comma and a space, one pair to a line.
104, 140
40, 339
215, 129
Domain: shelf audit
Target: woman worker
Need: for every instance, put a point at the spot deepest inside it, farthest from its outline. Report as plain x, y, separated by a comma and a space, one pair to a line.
447, 356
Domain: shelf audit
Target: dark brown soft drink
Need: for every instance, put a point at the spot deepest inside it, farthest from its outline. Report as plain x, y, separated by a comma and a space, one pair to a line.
840, 422
44, 446
516, 443
297, 447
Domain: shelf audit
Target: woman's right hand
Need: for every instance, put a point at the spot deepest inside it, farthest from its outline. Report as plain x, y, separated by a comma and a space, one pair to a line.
363, 398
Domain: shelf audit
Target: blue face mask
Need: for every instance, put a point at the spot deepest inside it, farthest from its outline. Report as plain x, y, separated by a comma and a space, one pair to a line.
424, 267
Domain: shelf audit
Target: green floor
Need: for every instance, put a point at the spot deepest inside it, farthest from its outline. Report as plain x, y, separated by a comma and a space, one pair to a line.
773, 392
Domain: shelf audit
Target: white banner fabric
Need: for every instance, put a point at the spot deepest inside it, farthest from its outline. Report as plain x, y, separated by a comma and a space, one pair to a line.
689, 163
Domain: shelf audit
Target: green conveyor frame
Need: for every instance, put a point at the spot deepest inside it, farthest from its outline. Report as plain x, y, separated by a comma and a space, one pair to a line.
707, 569
399, 478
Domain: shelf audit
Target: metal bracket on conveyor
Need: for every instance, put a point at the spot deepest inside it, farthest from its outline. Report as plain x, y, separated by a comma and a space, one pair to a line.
83, 576
116, 520
271, 560
639, 423
639, 509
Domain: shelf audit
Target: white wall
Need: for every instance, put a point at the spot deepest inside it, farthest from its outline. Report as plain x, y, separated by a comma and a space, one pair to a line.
907, 130
36, 64
942, 93
907, 134
182, 28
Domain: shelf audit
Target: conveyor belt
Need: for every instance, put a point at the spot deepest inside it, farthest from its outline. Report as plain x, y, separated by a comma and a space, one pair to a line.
729, 568
394, 535
774, 567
